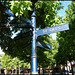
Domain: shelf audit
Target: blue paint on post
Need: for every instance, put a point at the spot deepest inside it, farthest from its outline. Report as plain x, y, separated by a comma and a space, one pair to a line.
34, 55
34, 65
52, 29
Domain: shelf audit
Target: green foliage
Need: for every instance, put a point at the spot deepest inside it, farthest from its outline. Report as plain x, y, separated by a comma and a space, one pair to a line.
46, 56
66, 39
46, 12
20, 7
9, 62
47, 9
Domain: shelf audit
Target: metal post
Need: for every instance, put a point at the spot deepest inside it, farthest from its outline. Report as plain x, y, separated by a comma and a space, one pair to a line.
34, 54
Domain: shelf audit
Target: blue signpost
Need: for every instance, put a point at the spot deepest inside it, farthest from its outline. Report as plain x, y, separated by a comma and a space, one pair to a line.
34, 54
37, 33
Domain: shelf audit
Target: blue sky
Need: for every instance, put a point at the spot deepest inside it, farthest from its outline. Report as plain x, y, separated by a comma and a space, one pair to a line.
65, 4
62, 12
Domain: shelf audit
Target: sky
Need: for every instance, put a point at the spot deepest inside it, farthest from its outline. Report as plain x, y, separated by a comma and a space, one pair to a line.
61, 12
65, 4
1, 52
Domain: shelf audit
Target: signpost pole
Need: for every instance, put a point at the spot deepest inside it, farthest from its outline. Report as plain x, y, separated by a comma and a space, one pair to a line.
34, 54
36, 34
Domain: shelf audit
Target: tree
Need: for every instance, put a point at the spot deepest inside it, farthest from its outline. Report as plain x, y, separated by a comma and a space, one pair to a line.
46, 12
66, 51
46, 56
9, 62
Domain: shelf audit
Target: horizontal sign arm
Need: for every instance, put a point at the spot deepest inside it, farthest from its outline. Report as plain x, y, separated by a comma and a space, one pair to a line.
52, 29
24, 19
19, 25
44, 45
9, 12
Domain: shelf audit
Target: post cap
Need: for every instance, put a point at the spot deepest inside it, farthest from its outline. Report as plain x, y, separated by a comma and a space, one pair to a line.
33, 14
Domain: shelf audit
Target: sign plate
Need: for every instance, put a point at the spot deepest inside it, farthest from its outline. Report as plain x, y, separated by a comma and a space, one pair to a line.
19, 25
8, 11
52, 29
44, 45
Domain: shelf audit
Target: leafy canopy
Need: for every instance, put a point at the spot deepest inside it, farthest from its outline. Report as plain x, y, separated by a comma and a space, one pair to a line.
66, 50
46, 12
